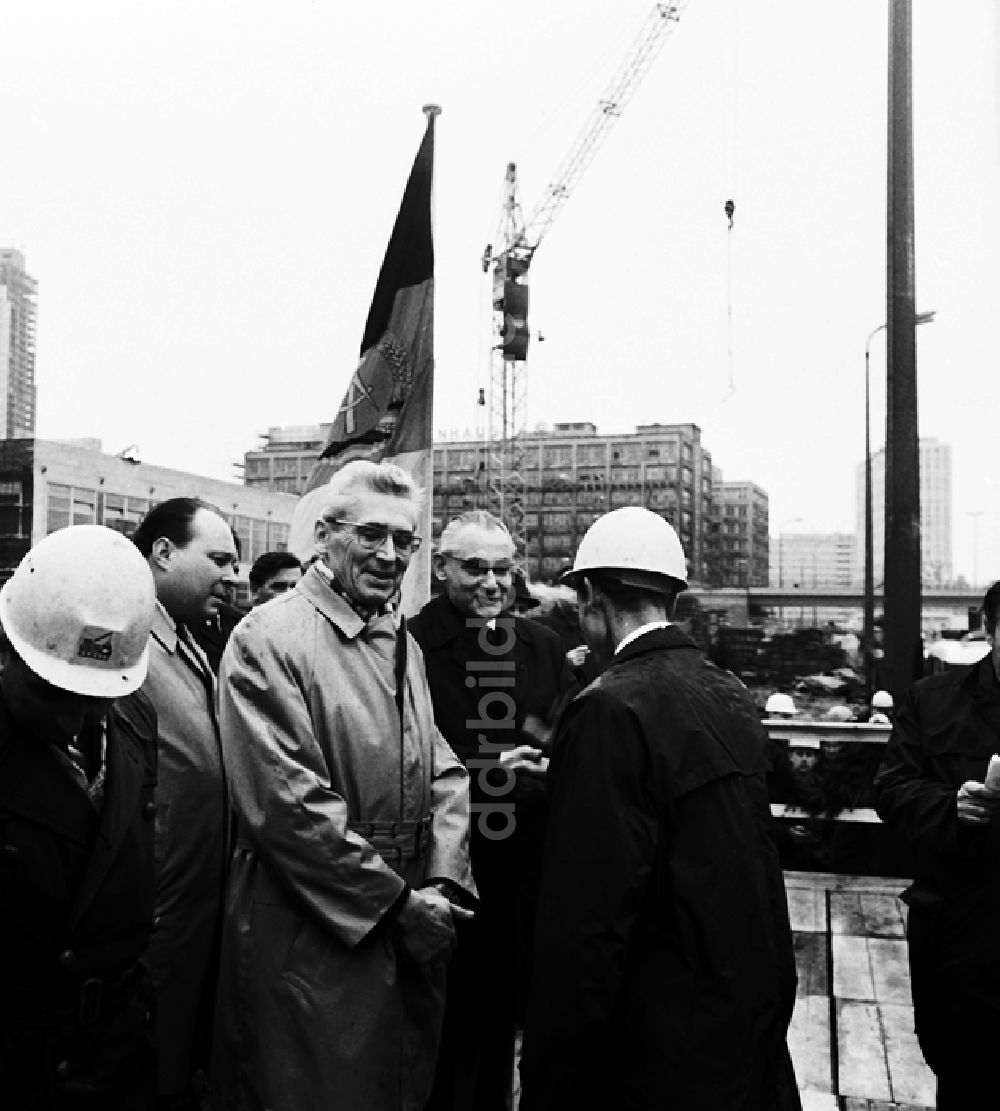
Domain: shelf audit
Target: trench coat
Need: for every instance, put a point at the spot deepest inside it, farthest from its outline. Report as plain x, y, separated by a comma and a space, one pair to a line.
76, 906
664, 974
315, 1010
945, 731
192, 853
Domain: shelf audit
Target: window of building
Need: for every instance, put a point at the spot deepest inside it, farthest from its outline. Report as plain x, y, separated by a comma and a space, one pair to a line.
241, 530
591, 455
84, 507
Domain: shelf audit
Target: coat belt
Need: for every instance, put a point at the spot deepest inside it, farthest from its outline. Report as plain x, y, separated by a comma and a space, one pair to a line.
396, 841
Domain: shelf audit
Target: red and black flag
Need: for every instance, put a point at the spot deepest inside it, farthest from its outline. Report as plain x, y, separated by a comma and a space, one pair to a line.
386, 413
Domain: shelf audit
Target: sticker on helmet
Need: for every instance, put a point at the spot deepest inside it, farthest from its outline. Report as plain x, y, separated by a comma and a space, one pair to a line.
94, 646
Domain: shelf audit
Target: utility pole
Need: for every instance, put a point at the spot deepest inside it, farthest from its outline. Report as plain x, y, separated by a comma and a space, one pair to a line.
903, 652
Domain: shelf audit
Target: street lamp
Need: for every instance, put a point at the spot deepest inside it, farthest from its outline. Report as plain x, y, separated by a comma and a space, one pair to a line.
868, 622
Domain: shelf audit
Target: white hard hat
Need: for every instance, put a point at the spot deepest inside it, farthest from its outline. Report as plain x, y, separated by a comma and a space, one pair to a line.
881, 700
838, 713
637, 545
780, 704
78, 611
810, 743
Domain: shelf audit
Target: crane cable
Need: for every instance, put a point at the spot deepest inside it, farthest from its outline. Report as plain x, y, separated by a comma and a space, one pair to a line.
729, 85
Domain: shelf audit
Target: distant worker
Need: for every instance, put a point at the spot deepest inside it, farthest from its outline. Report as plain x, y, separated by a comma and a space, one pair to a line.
77, 773
882, 707
664, 974
780, 705
272, 574
191, 552
930, 789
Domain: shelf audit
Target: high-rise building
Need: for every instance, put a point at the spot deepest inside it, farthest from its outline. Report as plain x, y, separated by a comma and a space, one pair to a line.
738, 545
810, 560
17, 346
571, 476
935, 515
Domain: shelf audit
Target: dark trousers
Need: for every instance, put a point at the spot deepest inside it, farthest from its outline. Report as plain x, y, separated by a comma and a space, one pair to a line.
475, 1069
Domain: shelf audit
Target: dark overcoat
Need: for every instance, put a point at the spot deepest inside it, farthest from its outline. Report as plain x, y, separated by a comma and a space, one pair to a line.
664, 973
76, 905
945, 731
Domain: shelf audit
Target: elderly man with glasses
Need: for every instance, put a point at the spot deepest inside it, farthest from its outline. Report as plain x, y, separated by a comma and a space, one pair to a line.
351, 864
495, 679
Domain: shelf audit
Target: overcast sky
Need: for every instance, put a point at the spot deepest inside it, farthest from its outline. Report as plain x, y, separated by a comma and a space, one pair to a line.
204, 190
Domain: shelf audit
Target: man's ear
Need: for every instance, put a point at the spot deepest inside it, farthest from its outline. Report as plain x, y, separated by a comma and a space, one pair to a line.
437, 562
162, 551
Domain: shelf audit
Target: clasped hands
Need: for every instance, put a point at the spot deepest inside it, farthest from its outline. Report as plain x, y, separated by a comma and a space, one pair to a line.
977, 803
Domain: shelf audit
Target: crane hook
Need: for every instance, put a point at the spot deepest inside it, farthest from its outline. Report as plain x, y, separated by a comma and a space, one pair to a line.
730, 209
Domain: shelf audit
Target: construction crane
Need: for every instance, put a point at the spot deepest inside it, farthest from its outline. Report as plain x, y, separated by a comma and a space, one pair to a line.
518, 239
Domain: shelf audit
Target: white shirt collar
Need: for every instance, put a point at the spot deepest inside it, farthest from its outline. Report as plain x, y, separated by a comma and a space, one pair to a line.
636, 633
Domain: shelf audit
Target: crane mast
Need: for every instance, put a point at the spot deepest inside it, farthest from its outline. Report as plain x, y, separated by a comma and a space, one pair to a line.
518, 240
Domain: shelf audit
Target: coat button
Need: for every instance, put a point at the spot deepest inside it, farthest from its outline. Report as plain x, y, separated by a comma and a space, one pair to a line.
149, 810
67, 958
156, 923
62, 1070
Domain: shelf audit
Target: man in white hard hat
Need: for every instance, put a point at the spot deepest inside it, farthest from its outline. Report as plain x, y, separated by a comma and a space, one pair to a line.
191, 552
882, 707
780, 705
664, 973
77, 775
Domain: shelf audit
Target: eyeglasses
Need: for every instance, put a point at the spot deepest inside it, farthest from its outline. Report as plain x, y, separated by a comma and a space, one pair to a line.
480, 568
372, 537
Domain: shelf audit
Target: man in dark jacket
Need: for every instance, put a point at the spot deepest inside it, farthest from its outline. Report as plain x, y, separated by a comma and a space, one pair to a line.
77, 778
664, 974
495, 679
930, 789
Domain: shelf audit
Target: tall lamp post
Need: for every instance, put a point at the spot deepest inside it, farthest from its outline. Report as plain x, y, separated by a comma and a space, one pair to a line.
868, 621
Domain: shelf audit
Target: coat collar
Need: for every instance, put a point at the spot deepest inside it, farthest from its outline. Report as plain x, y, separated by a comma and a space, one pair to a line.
329, 603
164, 628
653, 641
440, 623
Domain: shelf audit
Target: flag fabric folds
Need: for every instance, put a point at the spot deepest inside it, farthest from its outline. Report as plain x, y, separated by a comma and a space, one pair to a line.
386, 413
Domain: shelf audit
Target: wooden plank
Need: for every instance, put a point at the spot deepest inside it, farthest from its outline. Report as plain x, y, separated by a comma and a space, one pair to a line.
852, 971
862, 1068
852, 1104
818, 1101
807, 909
890, 971
811, 964
909, 1076
846, 916
883, 914
809, 1042
843, 881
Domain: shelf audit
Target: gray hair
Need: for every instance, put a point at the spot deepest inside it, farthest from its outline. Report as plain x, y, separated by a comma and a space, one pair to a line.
361, 476
473, 517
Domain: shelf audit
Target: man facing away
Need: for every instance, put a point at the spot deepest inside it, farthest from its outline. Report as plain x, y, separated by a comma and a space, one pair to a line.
490, 673
663, 971
192, 555
77, 775
930, 789
352, 811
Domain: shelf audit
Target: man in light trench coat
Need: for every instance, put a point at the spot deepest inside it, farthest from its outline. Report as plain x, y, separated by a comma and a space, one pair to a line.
353, 815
